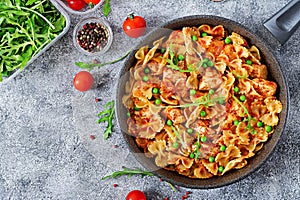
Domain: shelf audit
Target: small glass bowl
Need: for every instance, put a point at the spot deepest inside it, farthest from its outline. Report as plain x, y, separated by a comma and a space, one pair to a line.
99, 28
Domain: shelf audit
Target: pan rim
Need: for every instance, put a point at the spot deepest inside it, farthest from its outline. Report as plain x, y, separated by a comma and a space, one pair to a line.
236, 175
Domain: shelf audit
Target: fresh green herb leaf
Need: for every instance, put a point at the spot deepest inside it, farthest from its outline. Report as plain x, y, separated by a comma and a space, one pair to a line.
107, 115
173, 62
179, 137
197, 151
106, 8
171, 186
59, 24
89, 67
249, 118
205, 100
129, 173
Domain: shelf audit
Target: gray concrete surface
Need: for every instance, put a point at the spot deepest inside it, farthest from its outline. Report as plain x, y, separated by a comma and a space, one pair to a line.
44, 153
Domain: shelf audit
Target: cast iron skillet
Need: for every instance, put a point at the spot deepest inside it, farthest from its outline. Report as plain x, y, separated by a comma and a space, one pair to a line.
275, 74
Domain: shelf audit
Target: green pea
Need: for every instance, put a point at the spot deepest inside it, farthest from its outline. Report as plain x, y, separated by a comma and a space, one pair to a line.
157, 101
128, 114
221, 101
189, 131
203, 34
145, 78
192, 92
194, 38
210, 63
155, 90
222, 147
248, 62
192, 155
205, 60
169, 122
211, 91
202, 113
236, 89
204, 65
162, 50
227, 40
268, 129
236, 122
203, 138
175, 144
243, 98
259, 124
220, 169
211, 159
136, 108
180, 57
147, 70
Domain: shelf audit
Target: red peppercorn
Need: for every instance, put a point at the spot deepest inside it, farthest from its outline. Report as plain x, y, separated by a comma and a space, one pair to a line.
184, 197
92, 137
115, 146
115, 185
97, 100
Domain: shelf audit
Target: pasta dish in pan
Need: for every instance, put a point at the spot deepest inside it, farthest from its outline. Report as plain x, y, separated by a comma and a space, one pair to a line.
199, 101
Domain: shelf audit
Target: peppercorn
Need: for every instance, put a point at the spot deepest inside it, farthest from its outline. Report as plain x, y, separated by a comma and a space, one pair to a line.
92, 137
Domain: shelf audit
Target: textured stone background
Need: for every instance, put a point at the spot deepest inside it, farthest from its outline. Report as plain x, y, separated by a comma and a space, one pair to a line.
43, 151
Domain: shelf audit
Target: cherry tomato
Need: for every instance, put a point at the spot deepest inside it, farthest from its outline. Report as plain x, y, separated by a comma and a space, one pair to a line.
136, 195
134, 26
92, 2
76, 4
83, 81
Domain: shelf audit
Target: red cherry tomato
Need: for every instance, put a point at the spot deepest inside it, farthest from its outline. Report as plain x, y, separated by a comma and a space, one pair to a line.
76, 4
136, 195
134, 26
83, 81
92, 2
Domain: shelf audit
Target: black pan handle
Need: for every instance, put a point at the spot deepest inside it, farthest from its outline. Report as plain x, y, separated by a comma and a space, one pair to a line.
285, 22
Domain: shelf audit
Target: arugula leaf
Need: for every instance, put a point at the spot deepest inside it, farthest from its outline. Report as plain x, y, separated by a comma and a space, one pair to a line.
107, 115
59, 24
89, 67
197, 151
249, 117
129, 172
179, 137
206, 101
173, 62
30, 2
106, 8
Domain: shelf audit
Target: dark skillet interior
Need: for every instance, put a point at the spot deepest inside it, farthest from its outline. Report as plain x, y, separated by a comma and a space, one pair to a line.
275, 74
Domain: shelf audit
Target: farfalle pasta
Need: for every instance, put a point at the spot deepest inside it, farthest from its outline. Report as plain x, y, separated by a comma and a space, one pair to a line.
199, 102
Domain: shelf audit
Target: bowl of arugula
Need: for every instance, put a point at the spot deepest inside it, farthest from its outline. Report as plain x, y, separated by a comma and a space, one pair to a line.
28, 29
